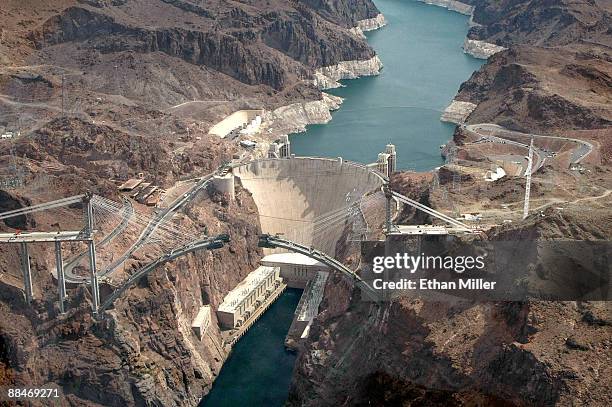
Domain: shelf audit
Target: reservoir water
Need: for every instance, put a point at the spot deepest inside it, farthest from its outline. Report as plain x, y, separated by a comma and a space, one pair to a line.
423, 67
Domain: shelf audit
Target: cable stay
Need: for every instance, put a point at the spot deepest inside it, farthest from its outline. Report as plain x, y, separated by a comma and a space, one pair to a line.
42, 207
411, 202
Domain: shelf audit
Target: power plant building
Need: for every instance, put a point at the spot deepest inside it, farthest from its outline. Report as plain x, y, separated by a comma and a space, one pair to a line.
201, 322
240, 303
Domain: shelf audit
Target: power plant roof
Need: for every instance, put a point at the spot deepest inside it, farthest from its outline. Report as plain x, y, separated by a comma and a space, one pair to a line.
234, 298
291, 258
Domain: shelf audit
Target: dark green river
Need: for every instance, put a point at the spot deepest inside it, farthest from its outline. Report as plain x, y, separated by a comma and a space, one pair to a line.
258, 371
423, 67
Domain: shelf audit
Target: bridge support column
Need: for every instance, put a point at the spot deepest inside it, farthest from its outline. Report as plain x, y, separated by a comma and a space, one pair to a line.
389, 197
27, 273
61, 280
95, 290
89, 224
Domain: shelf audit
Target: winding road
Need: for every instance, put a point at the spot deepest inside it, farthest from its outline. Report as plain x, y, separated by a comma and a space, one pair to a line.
159, 218
128, 211
582, 150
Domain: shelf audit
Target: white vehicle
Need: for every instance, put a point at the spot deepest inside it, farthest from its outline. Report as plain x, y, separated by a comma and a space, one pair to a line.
7, 135
248, 144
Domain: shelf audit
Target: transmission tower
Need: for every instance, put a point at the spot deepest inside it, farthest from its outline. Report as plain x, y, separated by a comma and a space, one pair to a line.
15, 178
435, 184
528, 184
456, 182
451, 155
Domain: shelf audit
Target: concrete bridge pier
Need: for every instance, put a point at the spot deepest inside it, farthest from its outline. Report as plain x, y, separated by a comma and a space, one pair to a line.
27, 273
388, 198
61, 280
91, 247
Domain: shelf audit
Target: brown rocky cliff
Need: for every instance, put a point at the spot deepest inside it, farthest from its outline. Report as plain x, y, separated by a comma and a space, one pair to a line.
541, 90
345, 13
247, 52
555, 74
544, 23
143, 351
459, 351
416, 352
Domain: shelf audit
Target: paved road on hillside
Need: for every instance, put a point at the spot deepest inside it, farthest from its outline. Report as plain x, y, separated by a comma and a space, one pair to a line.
159, 218
582, 150
477, 129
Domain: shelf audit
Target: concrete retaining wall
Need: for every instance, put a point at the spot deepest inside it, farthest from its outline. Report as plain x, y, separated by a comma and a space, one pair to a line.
233, 121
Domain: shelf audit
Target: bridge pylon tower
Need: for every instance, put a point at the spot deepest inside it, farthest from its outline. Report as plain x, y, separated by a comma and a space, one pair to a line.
388, 199
91, 247
528, 182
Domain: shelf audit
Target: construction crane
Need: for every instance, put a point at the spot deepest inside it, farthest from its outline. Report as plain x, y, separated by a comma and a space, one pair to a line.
528, 184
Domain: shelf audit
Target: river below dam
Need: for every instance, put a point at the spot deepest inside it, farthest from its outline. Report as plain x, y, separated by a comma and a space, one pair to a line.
258, 371
423, 67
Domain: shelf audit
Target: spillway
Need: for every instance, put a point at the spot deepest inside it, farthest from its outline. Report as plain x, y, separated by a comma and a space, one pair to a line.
307, 199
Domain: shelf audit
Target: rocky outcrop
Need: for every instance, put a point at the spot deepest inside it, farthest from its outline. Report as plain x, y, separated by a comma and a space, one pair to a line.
531, 85
553, 23
371, 24
452, 5
463, 351
457, 112
275, 48
481, 49
540, 89
345, 13
295, 117
327, 77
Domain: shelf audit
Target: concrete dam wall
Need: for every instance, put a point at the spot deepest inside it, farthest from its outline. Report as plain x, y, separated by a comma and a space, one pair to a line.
301, 197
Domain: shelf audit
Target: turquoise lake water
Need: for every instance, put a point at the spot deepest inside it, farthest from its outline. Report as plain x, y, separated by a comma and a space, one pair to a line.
423, 67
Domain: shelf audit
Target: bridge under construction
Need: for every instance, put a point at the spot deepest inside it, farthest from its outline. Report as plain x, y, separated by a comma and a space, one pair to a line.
306, 205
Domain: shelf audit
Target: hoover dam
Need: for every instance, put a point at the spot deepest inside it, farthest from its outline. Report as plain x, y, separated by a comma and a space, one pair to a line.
296, 197
306, 199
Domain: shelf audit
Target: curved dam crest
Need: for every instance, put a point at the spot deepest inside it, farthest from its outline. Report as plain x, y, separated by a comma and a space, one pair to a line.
292, 195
